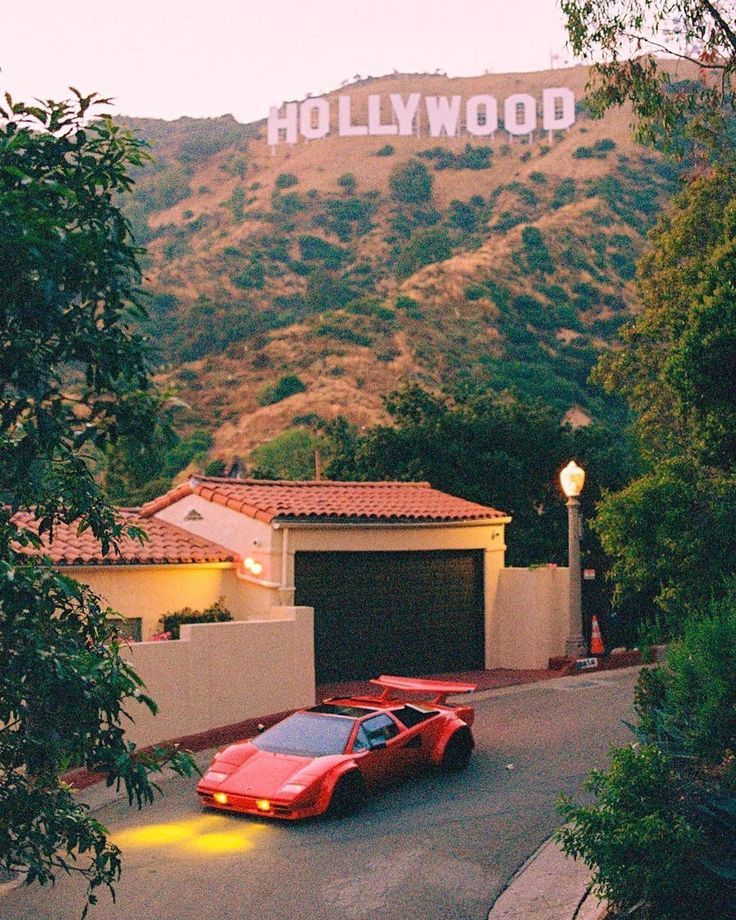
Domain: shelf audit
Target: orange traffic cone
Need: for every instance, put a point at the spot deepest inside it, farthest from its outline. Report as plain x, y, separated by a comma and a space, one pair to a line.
596, 640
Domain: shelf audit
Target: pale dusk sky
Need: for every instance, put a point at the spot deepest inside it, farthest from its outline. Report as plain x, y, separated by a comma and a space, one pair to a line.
162, 58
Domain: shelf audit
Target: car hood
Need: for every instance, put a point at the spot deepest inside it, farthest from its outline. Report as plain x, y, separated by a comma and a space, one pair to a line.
264, 773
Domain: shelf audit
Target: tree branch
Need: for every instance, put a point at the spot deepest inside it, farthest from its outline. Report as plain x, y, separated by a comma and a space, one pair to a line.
682, 57
725, 27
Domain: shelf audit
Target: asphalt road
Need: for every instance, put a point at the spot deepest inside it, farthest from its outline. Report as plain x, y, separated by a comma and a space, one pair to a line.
436, 848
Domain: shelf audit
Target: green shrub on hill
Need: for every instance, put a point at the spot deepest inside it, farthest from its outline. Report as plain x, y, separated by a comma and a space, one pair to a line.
286, 386
425, 247
537, 255
472, 157
252, 276
285, 180
288, 204
348, 183
344, 328
317, 249
563, 194
462, 216
475, 292
411, 183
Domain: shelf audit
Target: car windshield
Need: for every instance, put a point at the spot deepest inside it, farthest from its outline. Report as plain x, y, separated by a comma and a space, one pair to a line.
307, 734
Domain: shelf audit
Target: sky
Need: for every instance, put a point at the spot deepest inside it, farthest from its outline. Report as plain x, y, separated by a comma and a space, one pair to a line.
167, 58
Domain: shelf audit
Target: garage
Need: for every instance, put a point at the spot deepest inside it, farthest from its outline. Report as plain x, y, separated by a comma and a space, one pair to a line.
405, 612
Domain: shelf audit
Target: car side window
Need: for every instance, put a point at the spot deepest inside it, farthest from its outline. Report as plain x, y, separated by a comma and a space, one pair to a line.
413, 715
378, 728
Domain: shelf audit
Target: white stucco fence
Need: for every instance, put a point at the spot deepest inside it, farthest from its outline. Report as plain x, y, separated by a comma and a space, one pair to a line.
530, 619
219, 674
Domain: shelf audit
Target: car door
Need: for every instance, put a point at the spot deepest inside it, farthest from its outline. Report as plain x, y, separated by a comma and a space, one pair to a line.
377, 749
420, 727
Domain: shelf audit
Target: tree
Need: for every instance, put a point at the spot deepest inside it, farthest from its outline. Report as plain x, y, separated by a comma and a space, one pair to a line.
411, 183
489, 449
70, 358
624, 41
290, 455
676, 365
670, 534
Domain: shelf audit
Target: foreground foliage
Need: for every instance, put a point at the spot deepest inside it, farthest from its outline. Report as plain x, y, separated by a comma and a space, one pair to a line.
624, 40
671, 534
69, 361
660, 837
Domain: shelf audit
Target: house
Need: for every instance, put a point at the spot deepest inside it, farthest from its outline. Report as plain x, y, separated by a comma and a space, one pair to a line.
173, 568
402, 577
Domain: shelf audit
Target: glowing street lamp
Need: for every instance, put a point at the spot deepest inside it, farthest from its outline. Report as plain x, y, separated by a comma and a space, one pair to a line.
572, 480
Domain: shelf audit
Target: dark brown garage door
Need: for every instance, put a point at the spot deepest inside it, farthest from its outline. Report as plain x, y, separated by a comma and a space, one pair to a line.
393, 613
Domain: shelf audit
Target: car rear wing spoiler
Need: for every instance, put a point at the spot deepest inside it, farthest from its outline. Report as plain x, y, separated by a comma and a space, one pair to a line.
441, 688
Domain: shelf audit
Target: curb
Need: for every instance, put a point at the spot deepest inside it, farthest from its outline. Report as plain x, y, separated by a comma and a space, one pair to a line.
549, 886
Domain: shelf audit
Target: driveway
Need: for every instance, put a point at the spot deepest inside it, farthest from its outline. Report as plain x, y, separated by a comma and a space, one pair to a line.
436, 848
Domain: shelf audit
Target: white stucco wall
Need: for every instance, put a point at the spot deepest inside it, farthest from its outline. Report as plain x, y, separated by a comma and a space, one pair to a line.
231, 529
529, 619
219, 674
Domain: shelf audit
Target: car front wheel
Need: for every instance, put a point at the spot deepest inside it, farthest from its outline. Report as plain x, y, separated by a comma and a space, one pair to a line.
348, 796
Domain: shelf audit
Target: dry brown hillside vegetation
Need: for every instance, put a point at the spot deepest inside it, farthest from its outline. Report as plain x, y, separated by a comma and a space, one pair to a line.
301, 282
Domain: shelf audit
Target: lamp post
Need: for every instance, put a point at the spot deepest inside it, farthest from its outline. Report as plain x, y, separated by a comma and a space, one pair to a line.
572, 479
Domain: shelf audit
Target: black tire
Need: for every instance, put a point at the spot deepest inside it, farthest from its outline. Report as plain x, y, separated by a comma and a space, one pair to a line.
348, 796
457, 753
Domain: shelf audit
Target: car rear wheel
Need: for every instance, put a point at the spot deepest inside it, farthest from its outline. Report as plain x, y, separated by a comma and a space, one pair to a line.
348, 796
457, 752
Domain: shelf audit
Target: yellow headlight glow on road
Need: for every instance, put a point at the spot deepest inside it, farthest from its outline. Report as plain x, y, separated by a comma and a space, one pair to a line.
204, 835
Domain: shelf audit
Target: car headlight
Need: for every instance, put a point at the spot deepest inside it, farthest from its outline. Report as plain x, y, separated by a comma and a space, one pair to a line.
293, 788
215, 777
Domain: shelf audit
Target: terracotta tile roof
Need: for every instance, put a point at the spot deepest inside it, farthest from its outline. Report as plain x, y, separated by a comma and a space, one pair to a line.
166, 544
268, 500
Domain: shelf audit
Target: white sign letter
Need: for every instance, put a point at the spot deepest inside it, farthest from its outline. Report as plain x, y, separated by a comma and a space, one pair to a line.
487, 106
520, 104
558, 107
309, 129
346, 128
443, 114
278, 123
405, 112
374, 118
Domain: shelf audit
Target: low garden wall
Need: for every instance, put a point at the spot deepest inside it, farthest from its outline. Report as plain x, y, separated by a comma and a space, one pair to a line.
218, 674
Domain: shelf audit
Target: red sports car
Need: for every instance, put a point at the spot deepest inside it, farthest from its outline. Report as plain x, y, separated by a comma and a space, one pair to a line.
327, 758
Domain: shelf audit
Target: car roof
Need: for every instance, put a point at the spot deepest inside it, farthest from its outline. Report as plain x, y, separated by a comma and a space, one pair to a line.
343, 708
358, 706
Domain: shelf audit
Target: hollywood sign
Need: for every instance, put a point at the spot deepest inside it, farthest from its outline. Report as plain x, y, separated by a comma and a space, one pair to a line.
446, 116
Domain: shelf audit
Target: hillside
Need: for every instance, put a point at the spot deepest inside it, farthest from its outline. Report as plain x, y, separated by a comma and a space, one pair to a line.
308, 260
